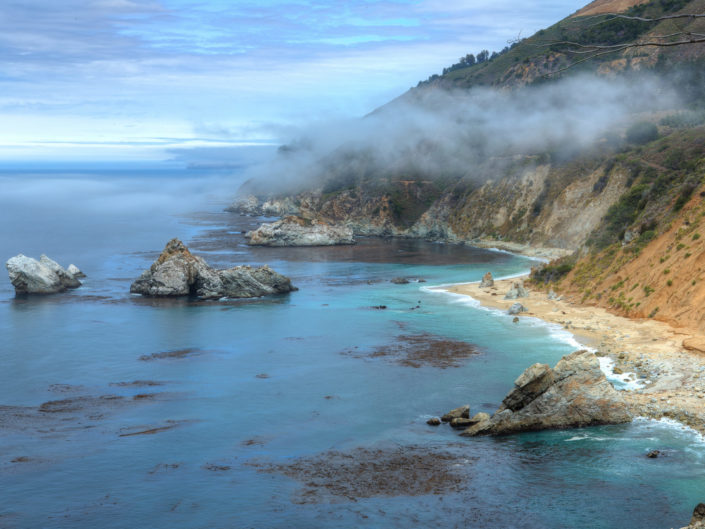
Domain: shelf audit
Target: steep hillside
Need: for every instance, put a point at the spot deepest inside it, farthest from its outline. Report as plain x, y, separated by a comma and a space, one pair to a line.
647, 257
609, 201
546, 54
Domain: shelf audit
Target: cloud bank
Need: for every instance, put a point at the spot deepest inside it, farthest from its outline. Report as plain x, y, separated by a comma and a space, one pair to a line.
434, 133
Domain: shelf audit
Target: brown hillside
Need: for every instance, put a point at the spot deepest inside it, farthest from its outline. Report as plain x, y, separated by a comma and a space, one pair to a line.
666, 281
599, 7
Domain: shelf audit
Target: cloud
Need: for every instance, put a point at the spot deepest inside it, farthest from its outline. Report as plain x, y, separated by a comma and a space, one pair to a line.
234, 64
462, 135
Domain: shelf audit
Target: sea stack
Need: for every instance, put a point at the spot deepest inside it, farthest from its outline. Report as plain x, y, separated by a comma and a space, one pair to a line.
177, 272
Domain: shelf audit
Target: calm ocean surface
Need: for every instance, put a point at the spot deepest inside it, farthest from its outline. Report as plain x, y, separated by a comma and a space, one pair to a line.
260, 384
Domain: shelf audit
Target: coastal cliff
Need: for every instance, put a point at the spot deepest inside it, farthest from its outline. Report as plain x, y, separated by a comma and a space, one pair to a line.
530, 209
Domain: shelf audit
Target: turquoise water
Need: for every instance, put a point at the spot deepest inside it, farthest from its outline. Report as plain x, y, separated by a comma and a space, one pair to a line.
271, 380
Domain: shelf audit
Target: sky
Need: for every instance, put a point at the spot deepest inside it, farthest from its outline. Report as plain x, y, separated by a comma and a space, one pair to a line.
136, 79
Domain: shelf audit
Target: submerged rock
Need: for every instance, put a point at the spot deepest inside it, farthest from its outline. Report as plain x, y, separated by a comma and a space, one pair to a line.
573, 394
517, 291
487, 280
297, 231
177, 272
45, 276
400, 281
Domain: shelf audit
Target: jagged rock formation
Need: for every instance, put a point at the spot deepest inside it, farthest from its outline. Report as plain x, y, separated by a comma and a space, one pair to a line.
45, 276
573, 394
698, 519
487, 280
177, 272
297, 231
517, 291
531, 210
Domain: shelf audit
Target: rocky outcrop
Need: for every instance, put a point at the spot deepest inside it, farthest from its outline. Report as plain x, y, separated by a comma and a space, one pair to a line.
74, 272
516, 308
177, 272
253, 206
45, 276
297, 231
463, 412
573, 394
487, 280
698, 519
517, 291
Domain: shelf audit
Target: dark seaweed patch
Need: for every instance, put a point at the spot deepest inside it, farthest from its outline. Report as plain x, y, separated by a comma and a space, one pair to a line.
367, 473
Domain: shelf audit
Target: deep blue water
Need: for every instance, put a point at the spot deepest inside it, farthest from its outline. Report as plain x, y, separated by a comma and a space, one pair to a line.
272, 380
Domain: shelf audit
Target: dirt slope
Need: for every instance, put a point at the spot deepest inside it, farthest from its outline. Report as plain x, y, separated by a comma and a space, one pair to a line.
599, 7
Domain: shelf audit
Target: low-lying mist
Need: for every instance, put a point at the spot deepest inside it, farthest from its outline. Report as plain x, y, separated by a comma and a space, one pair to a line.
434, 133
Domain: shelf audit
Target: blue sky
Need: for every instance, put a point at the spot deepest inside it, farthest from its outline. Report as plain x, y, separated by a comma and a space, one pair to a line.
129, 79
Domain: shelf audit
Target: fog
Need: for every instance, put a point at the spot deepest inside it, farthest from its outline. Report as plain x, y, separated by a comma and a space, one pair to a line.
434, 133
93, 215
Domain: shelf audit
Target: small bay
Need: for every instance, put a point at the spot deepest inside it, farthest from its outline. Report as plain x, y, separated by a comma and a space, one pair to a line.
119, 411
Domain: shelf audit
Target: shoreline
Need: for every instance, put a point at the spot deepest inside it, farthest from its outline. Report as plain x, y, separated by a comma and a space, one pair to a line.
662, 378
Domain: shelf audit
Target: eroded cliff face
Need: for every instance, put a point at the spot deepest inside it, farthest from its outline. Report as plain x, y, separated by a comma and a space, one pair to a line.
663, 280
538, 205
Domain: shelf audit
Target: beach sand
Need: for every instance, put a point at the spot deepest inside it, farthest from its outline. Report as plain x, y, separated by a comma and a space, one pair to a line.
665, 380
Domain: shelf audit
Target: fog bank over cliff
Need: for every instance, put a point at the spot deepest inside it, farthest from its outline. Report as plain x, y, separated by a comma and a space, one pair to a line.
432, 133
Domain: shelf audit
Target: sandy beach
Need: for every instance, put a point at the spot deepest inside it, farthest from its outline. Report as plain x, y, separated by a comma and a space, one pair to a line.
665, 380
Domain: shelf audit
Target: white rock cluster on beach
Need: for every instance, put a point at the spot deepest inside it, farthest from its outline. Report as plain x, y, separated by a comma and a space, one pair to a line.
297, 231
45, 276
517, 291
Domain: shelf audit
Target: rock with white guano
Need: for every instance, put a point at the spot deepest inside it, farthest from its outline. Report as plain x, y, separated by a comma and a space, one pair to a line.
45, 276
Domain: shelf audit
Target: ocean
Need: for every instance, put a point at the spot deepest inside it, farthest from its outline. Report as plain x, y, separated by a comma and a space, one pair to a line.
306, 410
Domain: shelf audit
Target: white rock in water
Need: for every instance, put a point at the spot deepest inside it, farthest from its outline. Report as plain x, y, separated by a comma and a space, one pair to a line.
45, 276
75, 272
296, 231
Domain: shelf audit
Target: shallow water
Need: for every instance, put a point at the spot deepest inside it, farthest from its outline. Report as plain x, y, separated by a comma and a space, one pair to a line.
264, 382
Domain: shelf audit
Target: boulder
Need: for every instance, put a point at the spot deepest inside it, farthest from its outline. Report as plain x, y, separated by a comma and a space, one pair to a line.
517, 308
517, 291
487, 281
433, 421
463, 412
695, 344
698, 519
575, 393
698, 514
177, 272
552, 296
45, 276
297, 231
